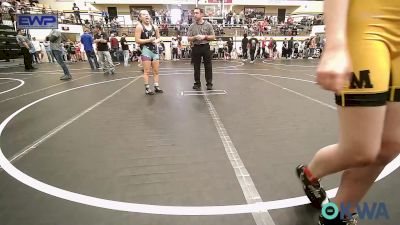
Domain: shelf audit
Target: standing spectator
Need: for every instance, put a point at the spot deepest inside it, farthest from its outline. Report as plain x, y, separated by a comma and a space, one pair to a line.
241, 17
101, 39
263, 46
55, 44
164, 28
1, 15
306, 48
229, 17
230, 47
82, 52
156, 17
77, 14
50, 55
125, 49
290, 20
271, 48
64, 53
114, 47
200, 33
253, 46
71, 51
87, 41
220, 44
25, 45
11, 12
285, 48
161, 49
78, 51
105, 16
290, 47
174, 46
313, 46
36, 53
261, 28
42, 51
296, 51
114, 25
234, 21
91, 16
245, 42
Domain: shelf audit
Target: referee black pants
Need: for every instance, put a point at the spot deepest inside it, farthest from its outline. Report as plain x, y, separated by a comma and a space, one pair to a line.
199, 52
27, 58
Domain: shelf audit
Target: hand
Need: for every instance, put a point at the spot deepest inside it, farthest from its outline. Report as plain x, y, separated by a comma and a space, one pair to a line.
334, 69
152, 39
156, 41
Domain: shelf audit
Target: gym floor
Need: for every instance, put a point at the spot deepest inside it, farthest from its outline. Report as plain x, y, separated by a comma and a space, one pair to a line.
225, 157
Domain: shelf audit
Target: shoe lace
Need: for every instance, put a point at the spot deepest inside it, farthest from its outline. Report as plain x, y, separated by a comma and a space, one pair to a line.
315, 190
353, 220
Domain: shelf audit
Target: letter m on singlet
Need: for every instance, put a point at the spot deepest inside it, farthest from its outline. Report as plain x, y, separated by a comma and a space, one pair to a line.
363, 82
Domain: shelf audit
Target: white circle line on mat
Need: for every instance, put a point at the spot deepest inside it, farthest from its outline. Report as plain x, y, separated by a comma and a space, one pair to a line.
147, 208
21, 83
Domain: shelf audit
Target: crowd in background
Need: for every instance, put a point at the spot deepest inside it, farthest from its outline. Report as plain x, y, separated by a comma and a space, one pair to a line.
250, 21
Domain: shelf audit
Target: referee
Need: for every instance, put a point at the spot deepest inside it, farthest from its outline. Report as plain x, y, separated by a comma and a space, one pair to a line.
200, 33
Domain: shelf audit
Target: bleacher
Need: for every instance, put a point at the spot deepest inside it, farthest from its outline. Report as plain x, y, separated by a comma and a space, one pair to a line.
9, 48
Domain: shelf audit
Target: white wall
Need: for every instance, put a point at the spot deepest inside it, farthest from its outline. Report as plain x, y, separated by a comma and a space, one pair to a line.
40, 34
317, 29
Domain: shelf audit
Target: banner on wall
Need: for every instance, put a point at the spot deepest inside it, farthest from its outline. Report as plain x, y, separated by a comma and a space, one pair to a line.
37, 21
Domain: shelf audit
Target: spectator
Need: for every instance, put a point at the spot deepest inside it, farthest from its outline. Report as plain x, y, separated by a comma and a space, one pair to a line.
161, 50
87, 41
313, 46
101, 39
50, 55
55, 44
220, 44
230, 47
285, 48
42, 51
114, 47
263, 45
25, 45
105, 16
77, 14
72, 51
114, 25
245, 42
164, 28
1, 16
125, 49
174, 46
290, 47
271, 48
241, 17
91, 16
11, 12
290, 20
37, 50
296, 51
253, 46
